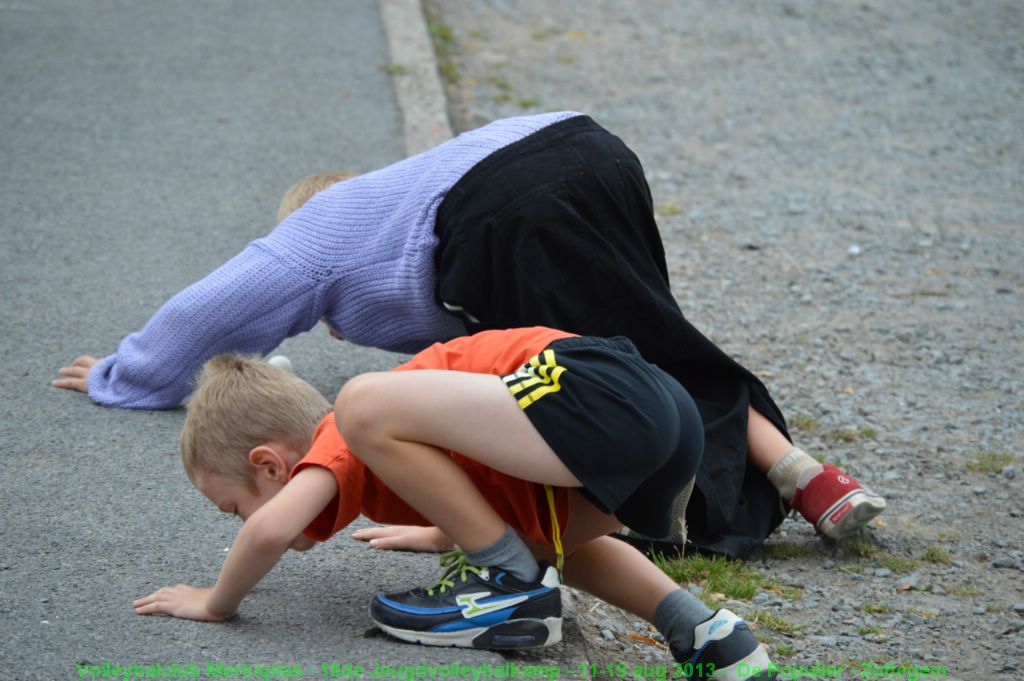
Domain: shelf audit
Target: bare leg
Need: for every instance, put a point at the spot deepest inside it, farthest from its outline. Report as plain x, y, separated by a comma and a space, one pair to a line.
399, 423
620, 575
626, 578
766, 445
605, 567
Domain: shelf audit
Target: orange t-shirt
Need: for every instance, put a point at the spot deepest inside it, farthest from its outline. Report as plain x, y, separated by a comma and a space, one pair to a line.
523, 505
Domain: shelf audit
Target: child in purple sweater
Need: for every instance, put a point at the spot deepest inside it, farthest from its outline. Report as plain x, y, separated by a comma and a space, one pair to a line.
536, 220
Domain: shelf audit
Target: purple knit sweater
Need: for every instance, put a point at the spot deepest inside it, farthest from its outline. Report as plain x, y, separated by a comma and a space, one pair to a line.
360, 253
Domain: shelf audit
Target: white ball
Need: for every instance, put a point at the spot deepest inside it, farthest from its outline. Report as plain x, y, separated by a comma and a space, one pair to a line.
281, 362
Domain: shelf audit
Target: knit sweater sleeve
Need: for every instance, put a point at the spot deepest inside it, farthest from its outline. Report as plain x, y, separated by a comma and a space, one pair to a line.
249, 305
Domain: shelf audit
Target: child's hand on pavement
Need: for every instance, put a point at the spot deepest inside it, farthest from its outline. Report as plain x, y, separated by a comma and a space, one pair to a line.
77, 374
181, 601
405, 538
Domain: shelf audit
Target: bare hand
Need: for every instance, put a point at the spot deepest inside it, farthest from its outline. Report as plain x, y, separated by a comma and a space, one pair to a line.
182, 601
77, 374
405, 538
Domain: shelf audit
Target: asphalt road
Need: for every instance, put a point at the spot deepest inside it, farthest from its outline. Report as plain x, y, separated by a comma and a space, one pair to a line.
144, 144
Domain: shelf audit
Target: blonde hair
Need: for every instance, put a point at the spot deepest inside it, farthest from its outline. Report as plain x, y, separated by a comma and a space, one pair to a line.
241, 403
304, 189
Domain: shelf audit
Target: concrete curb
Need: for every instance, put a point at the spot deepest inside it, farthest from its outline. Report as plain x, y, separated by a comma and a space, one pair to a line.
418, 89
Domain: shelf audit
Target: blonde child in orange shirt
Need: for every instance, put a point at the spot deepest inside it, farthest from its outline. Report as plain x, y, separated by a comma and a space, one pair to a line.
517, 445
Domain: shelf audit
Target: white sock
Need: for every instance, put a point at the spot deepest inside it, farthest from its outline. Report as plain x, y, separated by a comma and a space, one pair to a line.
788, 471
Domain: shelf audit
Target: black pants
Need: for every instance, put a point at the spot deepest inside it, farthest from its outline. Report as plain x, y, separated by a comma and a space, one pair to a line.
558, 230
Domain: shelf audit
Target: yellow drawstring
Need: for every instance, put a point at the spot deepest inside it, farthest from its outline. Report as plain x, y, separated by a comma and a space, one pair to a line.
556, 531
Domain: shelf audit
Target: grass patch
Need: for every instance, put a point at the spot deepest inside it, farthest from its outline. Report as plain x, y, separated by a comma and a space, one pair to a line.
528, 102
927, 614
792, 593
783, 649
869, 631
668, 209
875, 608
504, 89
779, 625
449, 71
861, 548
788, 550
937, 554
853, 435
967, 591
394, 69
717, 575
803, 422
838, 463
723, 578
500, 83
897, 564
989, 462
443, 37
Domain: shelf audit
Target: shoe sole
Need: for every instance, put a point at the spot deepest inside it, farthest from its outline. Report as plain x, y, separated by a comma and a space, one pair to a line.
511, 635
852, 512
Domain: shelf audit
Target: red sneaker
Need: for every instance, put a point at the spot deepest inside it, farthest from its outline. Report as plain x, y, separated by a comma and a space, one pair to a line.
835, 503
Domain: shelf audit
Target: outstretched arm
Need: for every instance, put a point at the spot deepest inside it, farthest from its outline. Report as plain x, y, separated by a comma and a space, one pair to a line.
249, 305
263, 539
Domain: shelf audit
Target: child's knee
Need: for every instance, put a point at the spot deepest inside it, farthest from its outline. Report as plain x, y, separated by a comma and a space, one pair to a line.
359, 412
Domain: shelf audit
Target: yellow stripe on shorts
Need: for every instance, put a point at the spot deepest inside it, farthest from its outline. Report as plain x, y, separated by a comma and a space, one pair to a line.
535, 379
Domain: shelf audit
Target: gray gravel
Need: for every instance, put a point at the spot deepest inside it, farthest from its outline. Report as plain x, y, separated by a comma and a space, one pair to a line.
840, 193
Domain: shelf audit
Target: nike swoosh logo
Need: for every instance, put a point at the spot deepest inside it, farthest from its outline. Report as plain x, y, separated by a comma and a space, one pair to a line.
471, 606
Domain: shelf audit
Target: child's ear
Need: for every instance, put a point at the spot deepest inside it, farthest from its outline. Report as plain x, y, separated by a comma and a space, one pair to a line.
270, 462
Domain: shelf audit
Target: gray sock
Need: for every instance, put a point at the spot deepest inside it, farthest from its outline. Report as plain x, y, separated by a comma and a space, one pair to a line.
677, 615
508, 553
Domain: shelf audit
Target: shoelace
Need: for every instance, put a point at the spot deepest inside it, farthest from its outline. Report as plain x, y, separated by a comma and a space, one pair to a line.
453, 563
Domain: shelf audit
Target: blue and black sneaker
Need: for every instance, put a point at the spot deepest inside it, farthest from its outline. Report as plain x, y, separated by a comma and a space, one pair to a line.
475, 607
724, 649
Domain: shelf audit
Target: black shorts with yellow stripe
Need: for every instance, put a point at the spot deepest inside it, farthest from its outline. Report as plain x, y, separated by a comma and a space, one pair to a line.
626, 429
